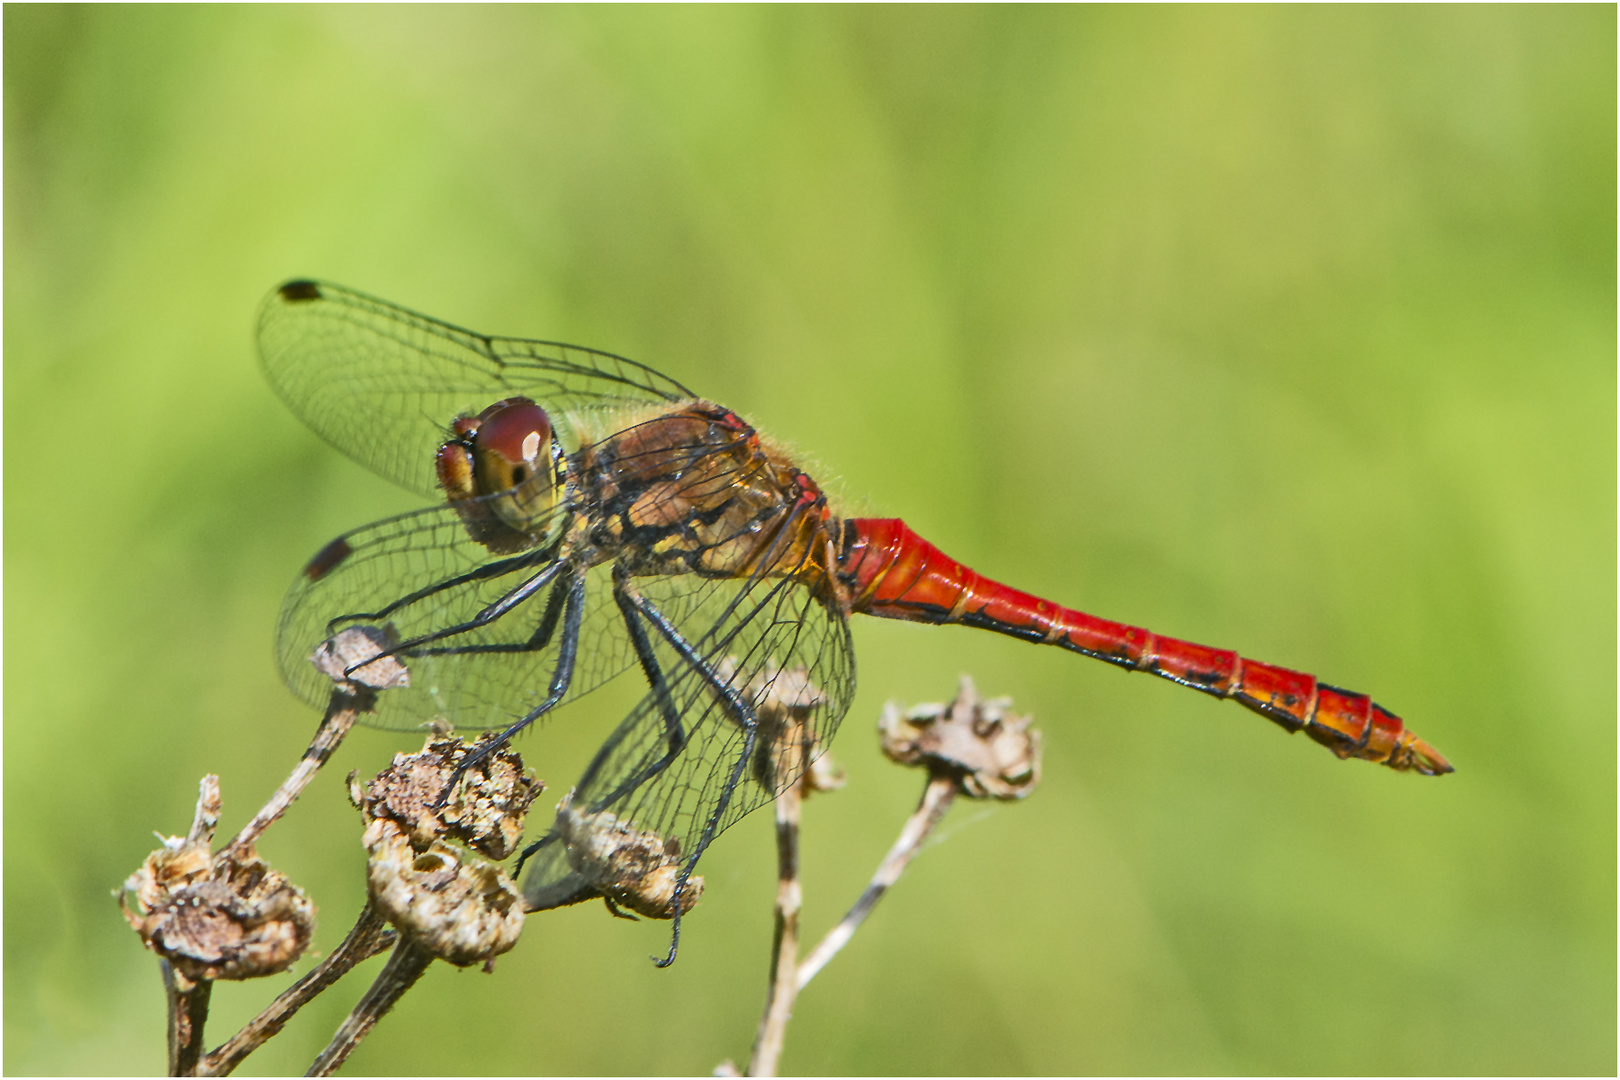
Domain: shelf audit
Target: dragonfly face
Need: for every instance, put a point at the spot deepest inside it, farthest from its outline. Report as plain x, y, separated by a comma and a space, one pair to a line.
504, 471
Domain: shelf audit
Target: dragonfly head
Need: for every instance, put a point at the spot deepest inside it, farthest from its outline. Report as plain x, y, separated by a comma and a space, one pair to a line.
510, 454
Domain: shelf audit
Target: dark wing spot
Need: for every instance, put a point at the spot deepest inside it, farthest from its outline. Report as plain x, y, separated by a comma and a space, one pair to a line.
327, 559
300, 290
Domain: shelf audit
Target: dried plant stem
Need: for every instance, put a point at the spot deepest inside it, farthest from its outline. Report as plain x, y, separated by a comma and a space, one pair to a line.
341, 711
789, 896
188, 1012
937, 798
206, 817
188, 999
404, 967
369, 937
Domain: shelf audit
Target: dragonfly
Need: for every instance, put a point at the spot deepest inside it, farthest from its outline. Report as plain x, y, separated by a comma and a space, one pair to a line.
592, 516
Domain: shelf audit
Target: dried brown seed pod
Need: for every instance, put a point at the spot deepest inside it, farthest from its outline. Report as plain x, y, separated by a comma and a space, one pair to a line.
335, 656
230, 918
457, 907
485, 812
988, 750
823, 775
786, 703
633, 868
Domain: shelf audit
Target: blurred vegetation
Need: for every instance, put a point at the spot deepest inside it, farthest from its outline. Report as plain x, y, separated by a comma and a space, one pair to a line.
1289, 330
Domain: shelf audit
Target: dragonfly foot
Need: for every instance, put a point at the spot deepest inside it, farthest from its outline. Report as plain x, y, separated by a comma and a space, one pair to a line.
618, 912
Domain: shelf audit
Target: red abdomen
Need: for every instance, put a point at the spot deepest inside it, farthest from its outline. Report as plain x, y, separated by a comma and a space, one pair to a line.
895, 574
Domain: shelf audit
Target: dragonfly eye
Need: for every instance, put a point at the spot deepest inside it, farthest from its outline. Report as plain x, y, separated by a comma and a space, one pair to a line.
510, 446
507, 443
455, 469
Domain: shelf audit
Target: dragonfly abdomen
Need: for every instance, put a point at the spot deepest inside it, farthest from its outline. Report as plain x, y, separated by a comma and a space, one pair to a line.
892, 572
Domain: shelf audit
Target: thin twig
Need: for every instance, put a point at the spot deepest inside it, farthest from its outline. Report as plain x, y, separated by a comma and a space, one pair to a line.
188, 1012
369, 937
340, 715
936, 799
789, 897
206, 817
404, 967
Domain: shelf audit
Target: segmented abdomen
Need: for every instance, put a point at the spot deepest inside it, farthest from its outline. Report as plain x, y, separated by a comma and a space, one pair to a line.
893, 573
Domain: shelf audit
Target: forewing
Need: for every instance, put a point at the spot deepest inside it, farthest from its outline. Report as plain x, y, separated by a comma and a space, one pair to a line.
775, 644
383, 384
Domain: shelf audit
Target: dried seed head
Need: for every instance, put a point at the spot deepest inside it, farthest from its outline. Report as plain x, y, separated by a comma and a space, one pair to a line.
216, 917
485, 811
824, 774
230, 918
457, 907
632, 868
337, 657
786, 704
990, 751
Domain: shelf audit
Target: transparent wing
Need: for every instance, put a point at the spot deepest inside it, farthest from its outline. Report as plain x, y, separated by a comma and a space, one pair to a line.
383, 384
685, 764
419, 576
412, 576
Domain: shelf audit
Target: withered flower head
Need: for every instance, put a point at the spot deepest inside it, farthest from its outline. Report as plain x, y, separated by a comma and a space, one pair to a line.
230, 918
456, 906
990, 751
824, 774
633, 868
786, 703
335, 657
485, 811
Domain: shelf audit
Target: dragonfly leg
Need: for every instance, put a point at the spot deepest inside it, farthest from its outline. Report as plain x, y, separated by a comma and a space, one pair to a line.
551, 837
486, 572
675, 733
743, 713
537, 641
490, 614
561, 676
631, 608
618, 912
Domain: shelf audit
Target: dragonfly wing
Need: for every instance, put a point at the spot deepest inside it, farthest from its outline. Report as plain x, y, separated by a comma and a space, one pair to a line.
688, 761
419, 576
383, 384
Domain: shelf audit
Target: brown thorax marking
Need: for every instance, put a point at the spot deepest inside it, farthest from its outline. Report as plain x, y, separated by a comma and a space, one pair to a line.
696, 490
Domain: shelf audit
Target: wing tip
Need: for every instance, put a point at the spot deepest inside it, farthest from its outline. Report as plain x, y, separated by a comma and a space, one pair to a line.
298, 290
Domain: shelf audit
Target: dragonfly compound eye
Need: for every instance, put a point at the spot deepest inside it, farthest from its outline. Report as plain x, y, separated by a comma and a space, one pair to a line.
513, 452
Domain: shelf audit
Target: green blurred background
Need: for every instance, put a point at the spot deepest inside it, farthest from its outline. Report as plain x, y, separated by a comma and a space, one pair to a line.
1289, 330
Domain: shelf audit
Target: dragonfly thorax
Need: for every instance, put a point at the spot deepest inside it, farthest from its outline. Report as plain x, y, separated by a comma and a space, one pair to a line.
504, 470
694, 490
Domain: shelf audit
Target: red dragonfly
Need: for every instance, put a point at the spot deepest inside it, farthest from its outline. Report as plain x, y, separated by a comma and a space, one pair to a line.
594, 516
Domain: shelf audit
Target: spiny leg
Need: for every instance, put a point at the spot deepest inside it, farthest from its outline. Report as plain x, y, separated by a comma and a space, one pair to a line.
561, 676
630, 605
491, 613
485, 572
536, 641
744, 716
675, 734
